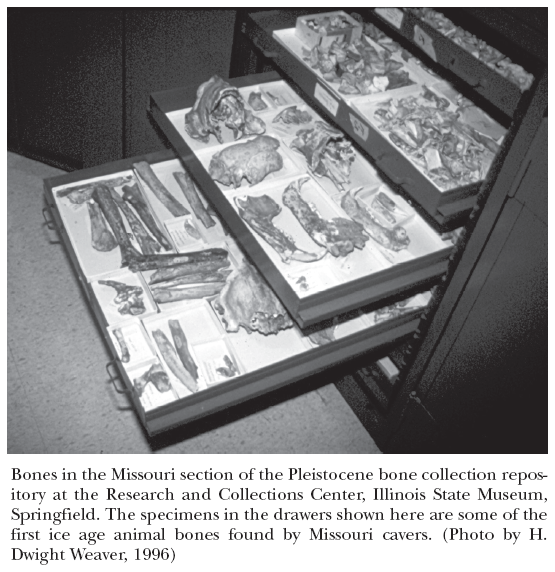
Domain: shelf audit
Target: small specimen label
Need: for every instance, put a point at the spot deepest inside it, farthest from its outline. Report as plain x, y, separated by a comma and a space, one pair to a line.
393, 15
424, 42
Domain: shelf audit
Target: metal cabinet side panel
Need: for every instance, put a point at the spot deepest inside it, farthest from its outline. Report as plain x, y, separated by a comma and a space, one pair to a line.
532, 189
489, 394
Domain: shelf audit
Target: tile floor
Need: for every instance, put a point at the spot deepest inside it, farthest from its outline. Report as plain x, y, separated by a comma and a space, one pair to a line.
59, 396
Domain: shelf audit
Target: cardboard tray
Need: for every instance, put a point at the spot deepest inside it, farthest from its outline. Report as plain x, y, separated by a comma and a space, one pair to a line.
313, 38
265, 365
394, 283
501, 92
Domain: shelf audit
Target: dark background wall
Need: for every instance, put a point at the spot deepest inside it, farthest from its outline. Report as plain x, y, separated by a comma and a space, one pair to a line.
79, 79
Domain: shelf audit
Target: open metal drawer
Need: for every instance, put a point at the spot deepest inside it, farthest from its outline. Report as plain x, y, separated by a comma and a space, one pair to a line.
273, 33
495, 88
290, 358
394, 281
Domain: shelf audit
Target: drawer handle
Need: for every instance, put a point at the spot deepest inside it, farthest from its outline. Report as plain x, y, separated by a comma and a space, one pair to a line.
265, 53
49, 223
113, 378
386, 161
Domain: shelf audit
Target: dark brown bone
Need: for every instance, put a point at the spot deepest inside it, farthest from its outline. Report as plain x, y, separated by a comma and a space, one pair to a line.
101, 237
103, 197
217, 100
84, 189
172, 361
147, 244
182, 348
211, 267
202, 277
254, 160
258, 213
155, 375
134, 197
162, 295
125, 357
157, 261
189, 190
339, 236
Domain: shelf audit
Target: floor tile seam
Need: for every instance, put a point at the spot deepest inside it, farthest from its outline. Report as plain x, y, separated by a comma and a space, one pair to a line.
27, 400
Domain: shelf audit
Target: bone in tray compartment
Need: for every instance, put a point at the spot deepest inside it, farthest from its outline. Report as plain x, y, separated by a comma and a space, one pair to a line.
310, 267
278, 94
218, 102
109, 222
418, 302
265, 97
122, 295
213, 355
396, 229
131, 342
207, 352
331, 159
353, 70
188, 276
327, 153
430, 131
185, 234
249, 163
199, 219
173, 334
284, 122
152, 384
